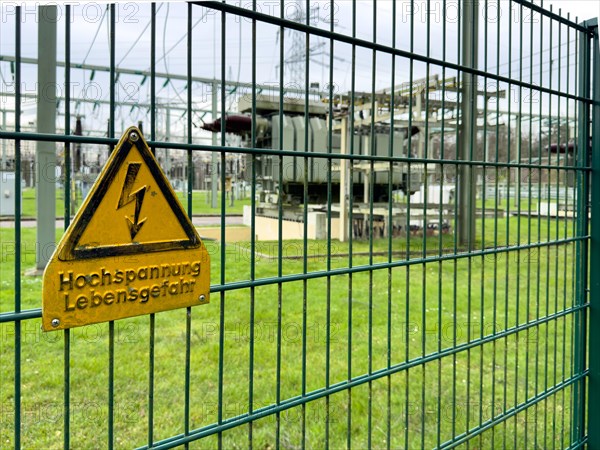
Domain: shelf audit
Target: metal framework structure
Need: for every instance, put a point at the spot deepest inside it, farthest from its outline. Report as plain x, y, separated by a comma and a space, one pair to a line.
396, 342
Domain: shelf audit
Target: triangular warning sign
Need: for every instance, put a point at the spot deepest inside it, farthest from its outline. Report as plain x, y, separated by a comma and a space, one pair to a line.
131, 209
130, 250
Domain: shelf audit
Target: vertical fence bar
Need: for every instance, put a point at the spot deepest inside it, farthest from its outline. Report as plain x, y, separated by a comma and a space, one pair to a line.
329, 212
507, 233
455, 234
17, 295
425, 146
111, 324
350, 227
529, 224
594, 298
519, 136
484, 157
440, 233
223, 92
153, 75
495, 323
112, 73
280, 224
568, 174
111, 382
370, 228
190, 185
305, 220
251, 342
407, 411
573, 283
389, 231
539, 171
67, 219
557, 231
548, 231
152, 318
67, 184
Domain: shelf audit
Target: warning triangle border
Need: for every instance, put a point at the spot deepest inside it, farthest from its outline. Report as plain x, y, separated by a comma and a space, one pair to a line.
70, 251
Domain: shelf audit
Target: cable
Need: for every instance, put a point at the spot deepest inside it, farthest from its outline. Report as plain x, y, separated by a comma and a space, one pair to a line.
96, 35
77, 107
138, 38
165, 53
180, 39
164, 59
164, 43
530, 56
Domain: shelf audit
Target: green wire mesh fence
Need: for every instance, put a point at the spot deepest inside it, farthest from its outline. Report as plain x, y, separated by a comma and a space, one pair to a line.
419, 250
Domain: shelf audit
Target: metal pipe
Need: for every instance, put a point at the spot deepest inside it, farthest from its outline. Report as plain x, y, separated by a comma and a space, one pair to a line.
164, 75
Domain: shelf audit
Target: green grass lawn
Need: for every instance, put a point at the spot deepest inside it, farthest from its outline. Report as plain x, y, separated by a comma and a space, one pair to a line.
199, 203
425, 308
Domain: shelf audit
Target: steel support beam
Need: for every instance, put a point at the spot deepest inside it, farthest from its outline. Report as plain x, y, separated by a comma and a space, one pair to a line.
45, 175
465, 221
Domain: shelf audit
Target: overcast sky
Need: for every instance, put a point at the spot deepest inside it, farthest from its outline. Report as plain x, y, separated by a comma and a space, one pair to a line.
544, 57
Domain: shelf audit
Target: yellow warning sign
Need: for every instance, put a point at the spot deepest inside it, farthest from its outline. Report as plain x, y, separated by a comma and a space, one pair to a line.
130, 250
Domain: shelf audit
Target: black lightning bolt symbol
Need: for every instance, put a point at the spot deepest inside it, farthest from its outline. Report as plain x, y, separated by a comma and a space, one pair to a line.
138, 197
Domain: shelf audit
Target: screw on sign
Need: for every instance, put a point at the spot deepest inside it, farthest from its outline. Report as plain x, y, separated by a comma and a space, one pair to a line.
126, 253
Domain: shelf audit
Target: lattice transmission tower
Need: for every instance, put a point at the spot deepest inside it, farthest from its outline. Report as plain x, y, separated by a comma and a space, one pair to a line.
295, 61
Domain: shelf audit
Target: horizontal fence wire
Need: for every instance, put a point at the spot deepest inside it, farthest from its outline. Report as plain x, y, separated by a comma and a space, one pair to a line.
27, 136
457, 316
37, 313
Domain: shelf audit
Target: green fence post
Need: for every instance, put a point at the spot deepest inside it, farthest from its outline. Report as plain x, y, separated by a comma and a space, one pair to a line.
581, 247
594, 331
